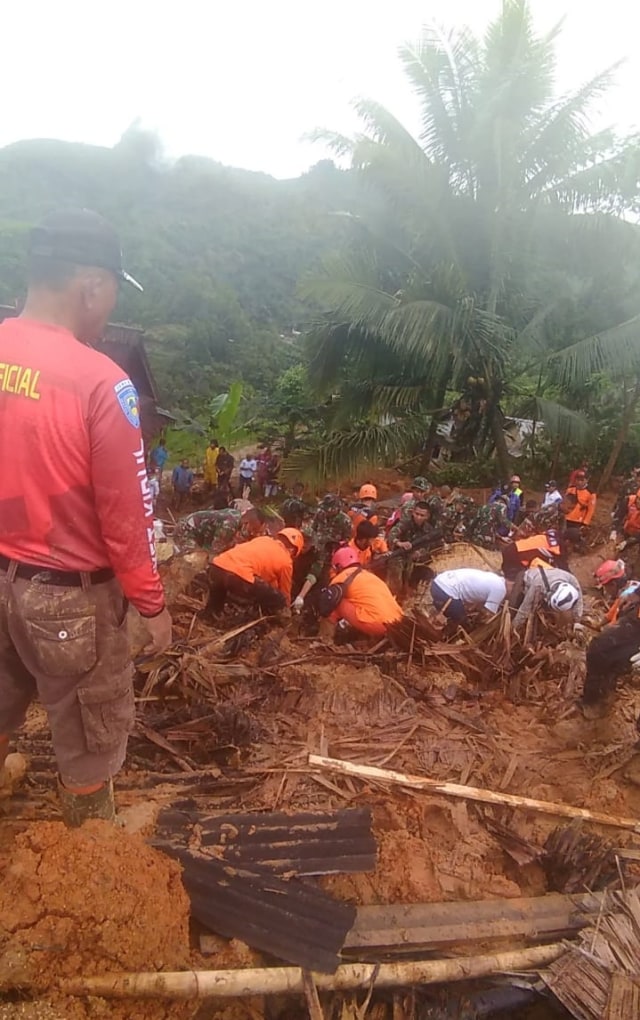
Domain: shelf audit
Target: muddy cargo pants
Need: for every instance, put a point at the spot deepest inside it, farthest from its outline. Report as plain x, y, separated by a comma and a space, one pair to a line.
68, 644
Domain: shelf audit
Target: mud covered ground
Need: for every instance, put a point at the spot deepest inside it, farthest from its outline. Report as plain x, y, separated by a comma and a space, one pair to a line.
254, 710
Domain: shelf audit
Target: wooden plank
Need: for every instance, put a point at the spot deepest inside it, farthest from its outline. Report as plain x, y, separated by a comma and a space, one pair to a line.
476, 793
441, 924
292, 920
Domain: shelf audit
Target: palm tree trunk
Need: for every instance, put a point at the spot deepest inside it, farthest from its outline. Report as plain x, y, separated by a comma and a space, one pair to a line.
623, 432
433, 425
496, 420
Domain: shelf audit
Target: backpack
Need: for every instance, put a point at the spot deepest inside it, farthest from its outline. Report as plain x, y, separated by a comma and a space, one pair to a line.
331, 596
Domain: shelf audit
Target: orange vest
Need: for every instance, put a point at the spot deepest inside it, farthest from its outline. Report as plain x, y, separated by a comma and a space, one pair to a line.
631, 524
370, 598
584, 509
264, 558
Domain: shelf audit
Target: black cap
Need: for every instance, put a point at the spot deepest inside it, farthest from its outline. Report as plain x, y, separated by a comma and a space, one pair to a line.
82, 237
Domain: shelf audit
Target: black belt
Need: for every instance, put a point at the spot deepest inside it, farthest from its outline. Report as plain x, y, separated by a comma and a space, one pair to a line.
59, 578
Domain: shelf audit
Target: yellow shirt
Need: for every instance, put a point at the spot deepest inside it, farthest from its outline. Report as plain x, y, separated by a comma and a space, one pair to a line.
210, 461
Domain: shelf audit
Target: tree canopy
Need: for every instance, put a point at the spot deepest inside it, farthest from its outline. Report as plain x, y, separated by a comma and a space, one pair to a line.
494, 253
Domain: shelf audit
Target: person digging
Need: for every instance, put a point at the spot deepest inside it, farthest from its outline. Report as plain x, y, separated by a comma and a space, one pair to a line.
612, 653
357, 600
76, 535
259, 571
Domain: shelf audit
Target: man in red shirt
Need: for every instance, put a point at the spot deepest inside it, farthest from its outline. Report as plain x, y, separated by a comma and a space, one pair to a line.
76, 536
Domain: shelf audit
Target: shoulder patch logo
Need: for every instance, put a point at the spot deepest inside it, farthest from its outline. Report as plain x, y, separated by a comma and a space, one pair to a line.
128, 399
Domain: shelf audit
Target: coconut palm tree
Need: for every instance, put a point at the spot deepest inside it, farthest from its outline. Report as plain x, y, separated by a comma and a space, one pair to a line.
460, 263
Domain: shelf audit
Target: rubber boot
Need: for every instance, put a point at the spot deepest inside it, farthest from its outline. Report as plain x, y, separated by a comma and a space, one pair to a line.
77, 808
11, 774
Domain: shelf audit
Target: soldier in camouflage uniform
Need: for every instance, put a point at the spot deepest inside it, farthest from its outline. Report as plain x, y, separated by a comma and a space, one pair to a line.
411, 541
218, 530
420, 488
330, 529
456, 517
542, 519
490, 521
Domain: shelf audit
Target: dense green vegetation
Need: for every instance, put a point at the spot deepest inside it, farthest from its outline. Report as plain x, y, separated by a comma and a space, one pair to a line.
219, 251
497, 271
488, 267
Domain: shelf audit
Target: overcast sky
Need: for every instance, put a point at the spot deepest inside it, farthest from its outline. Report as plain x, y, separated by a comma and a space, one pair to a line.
243, 80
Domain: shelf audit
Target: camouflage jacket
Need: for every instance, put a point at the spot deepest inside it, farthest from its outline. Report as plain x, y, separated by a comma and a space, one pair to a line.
409, 531
541, 520
456, 517
435, 503
490, 521
327, 533
214, 530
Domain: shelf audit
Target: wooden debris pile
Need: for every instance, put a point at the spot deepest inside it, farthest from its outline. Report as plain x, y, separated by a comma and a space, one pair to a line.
599, 977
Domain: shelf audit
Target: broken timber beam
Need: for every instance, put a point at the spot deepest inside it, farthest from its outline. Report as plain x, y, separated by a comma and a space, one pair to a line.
477, 793
213, 984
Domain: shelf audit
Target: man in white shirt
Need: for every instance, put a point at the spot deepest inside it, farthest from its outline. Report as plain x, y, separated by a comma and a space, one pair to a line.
247, 470
552, 495
454, 592
558, 589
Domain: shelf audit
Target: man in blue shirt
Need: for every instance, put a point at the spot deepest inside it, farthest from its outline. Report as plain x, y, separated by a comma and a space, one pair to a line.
182, 481
158, 458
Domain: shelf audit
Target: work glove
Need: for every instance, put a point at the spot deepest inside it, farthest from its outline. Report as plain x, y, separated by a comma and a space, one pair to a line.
298, 604
613, 537
635, 662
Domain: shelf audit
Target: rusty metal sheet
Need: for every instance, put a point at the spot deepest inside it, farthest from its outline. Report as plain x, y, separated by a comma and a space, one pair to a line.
289, 919
307, 843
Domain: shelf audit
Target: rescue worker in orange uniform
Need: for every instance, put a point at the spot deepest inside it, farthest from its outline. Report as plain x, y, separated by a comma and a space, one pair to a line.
368, 605
368, 543
631, 524
518, 555
582, 506
365, 508
260, 570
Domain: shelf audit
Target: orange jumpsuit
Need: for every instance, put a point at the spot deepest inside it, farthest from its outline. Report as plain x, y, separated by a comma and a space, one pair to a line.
631, 526
368, 605
584, 509
262, 558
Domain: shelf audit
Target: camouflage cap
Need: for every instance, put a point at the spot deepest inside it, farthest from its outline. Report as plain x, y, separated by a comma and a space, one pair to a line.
421, 483
330, 502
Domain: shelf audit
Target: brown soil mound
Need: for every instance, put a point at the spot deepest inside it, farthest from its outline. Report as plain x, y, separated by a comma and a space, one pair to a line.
88, 901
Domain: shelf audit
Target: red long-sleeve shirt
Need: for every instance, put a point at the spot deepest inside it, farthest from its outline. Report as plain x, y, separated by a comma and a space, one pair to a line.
73, 484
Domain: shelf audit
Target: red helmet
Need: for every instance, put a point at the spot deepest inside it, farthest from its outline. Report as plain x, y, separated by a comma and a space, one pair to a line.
610, 570
344, 557
294, 538
368, 491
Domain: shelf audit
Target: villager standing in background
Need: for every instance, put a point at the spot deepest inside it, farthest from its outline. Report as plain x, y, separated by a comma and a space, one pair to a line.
76, 537
158, 458
211, 455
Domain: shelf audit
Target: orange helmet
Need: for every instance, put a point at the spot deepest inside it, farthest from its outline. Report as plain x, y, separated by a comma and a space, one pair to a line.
368, 491
294, 538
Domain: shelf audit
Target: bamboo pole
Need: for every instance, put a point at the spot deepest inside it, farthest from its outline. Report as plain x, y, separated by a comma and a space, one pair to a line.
478, 793
212, 984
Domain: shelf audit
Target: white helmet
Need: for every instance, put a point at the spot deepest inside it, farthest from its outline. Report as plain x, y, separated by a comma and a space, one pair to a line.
563, 596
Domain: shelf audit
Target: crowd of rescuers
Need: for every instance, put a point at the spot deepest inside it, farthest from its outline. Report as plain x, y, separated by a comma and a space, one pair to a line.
374, 557
355, 562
